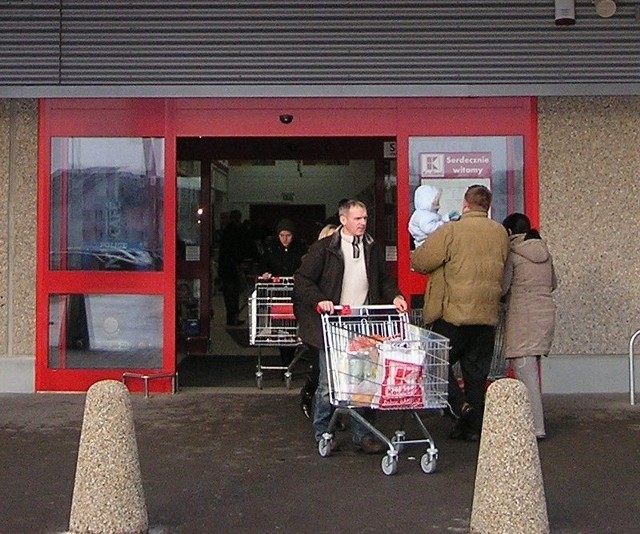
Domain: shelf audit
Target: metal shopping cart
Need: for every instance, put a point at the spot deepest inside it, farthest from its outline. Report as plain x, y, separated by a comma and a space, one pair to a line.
376, 359
498, 364
272, 323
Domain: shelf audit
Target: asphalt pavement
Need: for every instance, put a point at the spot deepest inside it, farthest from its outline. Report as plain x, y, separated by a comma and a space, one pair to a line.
244, 460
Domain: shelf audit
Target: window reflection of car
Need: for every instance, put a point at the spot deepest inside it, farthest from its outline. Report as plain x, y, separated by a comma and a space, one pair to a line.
112, 256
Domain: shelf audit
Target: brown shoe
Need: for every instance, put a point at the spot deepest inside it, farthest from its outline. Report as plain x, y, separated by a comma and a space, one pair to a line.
371, 445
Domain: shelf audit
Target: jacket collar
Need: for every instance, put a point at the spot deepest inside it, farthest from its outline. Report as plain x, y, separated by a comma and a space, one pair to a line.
475, 213
367, 239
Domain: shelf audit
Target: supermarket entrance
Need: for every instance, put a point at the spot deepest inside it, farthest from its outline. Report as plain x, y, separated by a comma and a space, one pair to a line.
266, 180
134, 192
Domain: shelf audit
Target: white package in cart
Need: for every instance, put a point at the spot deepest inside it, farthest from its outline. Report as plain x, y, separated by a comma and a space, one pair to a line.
359, 373
402, 379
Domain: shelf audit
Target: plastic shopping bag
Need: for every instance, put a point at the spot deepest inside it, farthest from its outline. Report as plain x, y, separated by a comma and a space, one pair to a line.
403, 376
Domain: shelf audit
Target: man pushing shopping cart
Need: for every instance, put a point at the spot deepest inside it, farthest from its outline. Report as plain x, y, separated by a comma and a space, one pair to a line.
349, 268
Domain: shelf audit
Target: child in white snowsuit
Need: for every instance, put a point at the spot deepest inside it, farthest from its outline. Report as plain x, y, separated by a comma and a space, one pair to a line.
426, 219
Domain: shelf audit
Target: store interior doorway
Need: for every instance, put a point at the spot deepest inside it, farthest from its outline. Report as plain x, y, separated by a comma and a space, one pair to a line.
266, 180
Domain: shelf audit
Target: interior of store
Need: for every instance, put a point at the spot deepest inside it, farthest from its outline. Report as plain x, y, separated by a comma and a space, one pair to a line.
266, 179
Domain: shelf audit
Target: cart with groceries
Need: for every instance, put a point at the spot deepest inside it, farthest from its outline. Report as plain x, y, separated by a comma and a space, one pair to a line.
377, 359
272, 323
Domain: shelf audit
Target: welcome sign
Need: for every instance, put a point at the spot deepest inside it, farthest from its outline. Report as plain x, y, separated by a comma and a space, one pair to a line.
455, 165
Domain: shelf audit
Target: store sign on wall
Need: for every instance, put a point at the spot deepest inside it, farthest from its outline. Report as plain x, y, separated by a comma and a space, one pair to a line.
455, 165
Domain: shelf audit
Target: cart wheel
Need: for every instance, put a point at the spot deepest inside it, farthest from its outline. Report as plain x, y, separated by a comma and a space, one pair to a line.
428, 463
259, 380
397, 440
324, 447
287, 380
389, 465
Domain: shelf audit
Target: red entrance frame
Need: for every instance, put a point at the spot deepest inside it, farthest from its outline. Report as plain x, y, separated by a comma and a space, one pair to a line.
248, 117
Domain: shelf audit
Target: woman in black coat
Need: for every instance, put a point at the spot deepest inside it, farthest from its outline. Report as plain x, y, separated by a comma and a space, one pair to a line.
281, 258
284, 254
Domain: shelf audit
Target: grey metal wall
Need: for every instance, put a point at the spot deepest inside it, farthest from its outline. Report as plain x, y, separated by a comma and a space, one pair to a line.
280, 47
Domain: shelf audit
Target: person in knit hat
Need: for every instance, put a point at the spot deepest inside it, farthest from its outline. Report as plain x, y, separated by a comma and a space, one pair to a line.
282, 258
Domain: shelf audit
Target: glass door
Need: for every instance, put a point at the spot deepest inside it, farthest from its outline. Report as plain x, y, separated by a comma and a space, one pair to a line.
193, 264
452, 144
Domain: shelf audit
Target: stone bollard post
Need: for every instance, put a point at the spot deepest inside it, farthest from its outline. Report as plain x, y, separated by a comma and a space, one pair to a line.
509, 491
108, 496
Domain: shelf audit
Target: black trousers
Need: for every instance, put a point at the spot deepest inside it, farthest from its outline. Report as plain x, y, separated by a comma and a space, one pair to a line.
286, 355
472, 346
231, 289
311, 384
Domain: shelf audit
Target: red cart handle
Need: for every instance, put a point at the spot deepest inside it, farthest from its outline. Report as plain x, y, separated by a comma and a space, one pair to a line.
345, 309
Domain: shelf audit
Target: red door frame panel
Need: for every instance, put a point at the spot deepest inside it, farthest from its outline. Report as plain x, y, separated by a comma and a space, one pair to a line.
249, 117
321, 117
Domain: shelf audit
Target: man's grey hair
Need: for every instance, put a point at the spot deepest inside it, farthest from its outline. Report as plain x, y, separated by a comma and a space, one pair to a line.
344, 207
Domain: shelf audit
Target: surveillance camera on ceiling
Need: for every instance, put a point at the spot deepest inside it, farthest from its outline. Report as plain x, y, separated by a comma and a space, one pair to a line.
565, 12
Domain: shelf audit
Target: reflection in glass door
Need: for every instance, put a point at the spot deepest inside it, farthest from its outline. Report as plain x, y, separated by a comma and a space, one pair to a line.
193, 285
105, 234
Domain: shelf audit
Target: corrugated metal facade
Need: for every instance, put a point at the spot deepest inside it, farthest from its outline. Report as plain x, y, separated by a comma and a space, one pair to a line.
392, 48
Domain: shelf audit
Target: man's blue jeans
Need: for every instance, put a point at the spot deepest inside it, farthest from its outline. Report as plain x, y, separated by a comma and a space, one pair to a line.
323, 408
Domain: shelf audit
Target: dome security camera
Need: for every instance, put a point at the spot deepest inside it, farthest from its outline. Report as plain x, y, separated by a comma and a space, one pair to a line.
286, 119
565, 12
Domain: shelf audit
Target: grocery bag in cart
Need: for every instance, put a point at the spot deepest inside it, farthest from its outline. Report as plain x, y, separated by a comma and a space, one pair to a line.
415, 371
403, 376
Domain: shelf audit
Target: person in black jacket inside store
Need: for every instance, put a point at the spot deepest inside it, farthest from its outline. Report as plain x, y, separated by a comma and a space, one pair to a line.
235, 247
282, 258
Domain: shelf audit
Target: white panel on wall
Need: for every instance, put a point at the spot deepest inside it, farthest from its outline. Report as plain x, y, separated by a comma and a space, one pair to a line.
310, 184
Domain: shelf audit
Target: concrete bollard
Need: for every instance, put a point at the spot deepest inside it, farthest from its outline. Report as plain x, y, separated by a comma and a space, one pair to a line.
108, 496
509, 491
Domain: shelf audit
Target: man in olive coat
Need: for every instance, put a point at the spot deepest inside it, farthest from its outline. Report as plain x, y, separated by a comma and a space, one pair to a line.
465, 261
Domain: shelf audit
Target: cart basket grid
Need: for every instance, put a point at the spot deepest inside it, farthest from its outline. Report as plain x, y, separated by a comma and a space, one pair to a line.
385, 363
271, 318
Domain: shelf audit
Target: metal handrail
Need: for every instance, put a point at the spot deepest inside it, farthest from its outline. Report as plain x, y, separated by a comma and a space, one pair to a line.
632, 376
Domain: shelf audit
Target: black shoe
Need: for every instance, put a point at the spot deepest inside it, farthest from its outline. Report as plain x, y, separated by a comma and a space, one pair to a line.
306, 403
371, 445
472, 436
457, 432
463, 432
466, 412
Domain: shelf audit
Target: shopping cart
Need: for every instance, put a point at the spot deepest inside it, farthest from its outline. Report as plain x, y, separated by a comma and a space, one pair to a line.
498, 364
376, 359
272, 323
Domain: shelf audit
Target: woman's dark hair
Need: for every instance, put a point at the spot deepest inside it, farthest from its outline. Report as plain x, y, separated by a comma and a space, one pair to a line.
532, 234
519, 223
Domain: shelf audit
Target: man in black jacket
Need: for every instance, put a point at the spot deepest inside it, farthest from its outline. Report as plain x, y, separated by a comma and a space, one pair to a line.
235, 247
347, 269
